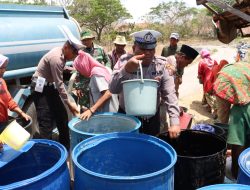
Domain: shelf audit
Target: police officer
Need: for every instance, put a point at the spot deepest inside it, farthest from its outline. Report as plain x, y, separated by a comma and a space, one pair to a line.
153, 68
49, 90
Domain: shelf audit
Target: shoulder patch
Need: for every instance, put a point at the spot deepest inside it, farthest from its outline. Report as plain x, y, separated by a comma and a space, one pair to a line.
126, 57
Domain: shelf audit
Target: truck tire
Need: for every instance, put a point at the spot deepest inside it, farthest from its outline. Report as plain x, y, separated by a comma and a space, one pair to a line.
30, 109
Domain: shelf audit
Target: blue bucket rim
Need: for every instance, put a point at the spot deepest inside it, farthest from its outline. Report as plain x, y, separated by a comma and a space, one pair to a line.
220, 186
242, 161
77, 120
139, 80
46, 173
92, 141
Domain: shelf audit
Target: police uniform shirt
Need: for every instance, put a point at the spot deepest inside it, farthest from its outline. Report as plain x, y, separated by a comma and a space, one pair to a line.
51, 68
166, 88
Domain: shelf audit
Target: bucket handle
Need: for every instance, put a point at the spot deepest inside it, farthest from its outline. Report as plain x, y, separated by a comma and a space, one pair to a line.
139, 62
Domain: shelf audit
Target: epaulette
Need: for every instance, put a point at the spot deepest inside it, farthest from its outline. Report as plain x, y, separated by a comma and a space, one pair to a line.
161, 58
125, 57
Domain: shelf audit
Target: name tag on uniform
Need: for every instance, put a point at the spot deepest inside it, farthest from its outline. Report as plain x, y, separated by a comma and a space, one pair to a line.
156, 73
40, 84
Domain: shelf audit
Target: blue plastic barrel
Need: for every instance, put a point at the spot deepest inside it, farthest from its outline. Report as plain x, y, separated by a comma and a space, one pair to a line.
126, 161
102, 123
42, 167
226, 187
244, 167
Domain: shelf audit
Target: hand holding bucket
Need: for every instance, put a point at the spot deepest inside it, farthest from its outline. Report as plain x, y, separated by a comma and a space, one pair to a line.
140, 95
14, 135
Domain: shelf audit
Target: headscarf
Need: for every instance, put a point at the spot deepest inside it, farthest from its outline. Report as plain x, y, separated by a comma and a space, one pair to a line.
87, 66
232, 83
205, 55
3, 61
214, 72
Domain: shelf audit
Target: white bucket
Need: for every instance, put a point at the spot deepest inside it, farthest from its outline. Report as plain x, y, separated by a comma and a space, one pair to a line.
14, 135
140, 96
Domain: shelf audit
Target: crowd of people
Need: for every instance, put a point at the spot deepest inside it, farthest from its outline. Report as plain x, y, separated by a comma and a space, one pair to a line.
98, 86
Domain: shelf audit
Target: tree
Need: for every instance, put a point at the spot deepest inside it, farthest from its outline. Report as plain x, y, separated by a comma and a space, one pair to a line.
98, 15
171, 12
176, 17
199, 28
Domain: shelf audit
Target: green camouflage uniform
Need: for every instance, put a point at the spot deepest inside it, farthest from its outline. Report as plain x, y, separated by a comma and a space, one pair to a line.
168, 50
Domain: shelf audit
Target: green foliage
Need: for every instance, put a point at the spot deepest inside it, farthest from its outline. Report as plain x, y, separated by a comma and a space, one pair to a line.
202, 24
98, 15
176, 16
171, 12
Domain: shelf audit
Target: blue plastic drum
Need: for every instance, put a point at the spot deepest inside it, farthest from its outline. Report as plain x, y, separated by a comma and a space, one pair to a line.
226, 187
99, 124
244, 167
43, 166
126, 161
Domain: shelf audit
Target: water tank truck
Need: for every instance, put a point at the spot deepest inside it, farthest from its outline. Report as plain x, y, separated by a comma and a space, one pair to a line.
27, 33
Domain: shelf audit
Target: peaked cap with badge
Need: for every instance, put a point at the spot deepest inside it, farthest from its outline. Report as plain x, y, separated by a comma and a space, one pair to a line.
189, 51
74, 42
146, 39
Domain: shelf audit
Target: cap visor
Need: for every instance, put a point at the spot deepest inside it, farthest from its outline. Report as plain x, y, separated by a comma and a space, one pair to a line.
147, 46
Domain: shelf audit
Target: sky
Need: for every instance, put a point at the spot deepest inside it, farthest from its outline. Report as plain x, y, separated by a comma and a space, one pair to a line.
138, 8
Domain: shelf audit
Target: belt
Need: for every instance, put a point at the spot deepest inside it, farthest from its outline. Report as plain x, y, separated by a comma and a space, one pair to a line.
34, 79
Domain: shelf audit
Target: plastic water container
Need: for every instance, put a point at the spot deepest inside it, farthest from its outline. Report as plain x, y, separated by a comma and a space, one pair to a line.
15, 135
126, 161
140, 98
226, 187
244, 168
201, 159
102, 123
43, 166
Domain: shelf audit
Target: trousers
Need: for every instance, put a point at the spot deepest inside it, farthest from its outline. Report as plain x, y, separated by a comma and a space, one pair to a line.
50, 109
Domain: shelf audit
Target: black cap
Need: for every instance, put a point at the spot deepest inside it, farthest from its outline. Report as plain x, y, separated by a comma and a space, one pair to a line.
189, 51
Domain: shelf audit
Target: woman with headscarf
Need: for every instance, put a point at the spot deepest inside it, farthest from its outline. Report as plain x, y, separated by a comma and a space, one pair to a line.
223, 107
101, 99
6, 101
204, 74
232, 85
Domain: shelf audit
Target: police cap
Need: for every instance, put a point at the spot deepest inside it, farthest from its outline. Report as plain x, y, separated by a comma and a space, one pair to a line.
146, 39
